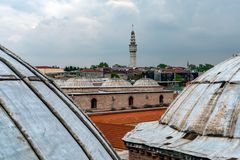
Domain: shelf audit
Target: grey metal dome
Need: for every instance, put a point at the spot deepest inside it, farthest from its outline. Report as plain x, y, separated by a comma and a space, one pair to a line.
145, 82
203, 121
75, 82
38, 121
116, 82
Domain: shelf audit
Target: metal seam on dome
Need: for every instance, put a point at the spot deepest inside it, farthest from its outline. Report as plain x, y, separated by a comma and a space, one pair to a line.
114, 156
169, 119
174, 102
33, 147
213, 100
194, 105
46, 80
51, 109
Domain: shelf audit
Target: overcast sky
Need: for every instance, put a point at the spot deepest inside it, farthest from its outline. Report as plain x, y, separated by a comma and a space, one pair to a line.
85, 32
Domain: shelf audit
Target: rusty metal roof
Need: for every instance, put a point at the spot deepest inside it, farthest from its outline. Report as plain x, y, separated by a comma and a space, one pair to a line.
39, 122
203, 121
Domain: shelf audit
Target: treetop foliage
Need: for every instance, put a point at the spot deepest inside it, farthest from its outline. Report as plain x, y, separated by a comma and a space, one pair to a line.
200, 67
162, 66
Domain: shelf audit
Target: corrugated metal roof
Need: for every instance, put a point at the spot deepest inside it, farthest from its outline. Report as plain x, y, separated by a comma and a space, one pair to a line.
208, 111
38, 121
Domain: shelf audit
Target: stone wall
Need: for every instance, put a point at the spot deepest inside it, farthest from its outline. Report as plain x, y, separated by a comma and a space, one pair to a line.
111, 89
120, 101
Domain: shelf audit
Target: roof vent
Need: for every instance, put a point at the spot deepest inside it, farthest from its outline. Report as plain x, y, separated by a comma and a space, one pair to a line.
190, 136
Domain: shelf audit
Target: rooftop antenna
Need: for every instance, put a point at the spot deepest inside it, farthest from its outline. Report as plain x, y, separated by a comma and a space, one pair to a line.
132, 26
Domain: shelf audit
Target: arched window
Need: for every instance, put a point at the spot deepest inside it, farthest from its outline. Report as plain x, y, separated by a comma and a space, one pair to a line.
94, 103
130, 101
161, 101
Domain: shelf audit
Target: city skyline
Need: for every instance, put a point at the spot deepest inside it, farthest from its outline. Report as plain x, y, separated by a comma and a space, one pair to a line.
82, 33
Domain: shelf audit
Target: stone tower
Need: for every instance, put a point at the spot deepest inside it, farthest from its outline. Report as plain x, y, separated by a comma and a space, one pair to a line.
133, 49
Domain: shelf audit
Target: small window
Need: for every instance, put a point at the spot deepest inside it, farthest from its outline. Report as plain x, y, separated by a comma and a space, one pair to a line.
130, 101
94, 103
161, 101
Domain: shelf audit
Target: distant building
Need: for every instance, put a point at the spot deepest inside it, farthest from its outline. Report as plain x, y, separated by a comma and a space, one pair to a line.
133, 50
174, 74
116, 94
49, 70
91, 73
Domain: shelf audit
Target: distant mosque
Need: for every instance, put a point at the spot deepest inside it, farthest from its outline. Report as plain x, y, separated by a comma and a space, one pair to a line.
133, 49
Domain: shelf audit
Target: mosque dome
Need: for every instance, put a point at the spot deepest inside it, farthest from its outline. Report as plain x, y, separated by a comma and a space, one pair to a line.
39, 122
78, 82
145, 82
203, 121
116, 82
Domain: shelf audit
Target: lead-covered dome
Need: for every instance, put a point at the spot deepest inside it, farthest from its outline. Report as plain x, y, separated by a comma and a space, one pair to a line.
116, 82
203, 121
75, 82
145, 82
39, 122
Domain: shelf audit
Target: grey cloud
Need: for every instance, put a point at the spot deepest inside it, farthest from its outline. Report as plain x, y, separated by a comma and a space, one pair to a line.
85, 32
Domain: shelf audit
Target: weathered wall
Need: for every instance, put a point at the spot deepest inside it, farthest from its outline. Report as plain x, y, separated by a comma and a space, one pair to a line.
136, 154
120, 100
111, 89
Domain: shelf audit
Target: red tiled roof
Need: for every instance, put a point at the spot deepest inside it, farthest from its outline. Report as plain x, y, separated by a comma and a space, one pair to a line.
175, 70
43, 67
114, 133
131, 117
115, 125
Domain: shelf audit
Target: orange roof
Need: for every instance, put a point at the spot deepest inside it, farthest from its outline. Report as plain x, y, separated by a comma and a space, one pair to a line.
130, 117
115, 125
114, 133
43, 67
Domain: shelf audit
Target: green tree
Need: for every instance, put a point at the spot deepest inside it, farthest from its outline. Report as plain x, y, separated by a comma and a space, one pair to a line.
200, 67
178, 77
162, 66
114, 75
103, 65
93, 67
118, 65
208, 66
192, 67
204, 67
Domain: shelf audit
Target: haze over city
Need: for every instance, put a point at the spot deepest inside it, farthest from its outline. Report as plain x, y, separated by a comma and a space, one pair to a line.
86, 32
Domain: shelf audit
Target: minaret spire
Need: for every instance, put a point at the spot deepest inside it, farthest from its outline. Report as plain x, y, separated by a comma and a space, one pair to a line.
133, 49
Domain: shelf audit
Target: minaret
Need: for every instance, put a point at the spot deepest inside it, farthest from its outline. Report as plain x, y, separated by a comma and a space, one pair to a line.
133, 49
